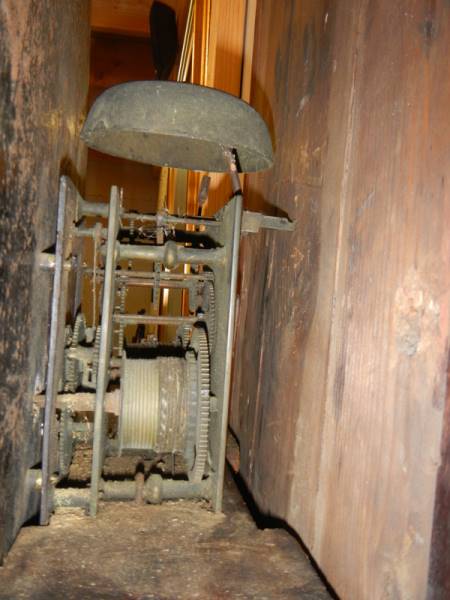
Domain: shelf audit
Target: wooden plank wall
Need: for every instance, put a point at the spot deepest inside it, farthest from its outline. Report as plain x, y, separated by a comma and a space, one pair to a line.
131, 17
44, 60
341, 361
224, 72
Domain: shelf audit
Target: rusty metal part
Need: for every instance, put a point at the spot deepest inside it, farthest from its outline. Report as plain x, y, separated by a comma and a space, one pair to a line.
47, 262
225, 282
155, 490
156, 319
199, 343
167, 278
253, 222
172, 254
178, 125
168, 407
100, 209
83, 402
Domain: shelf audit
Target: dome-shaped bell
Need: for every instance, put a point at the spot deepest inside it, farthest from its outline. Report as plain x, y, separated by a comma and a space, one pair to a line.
178, 125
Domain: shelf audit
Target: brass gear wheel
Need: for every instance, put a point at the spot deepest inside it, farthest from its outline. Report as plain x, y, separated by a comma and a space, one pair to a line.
72, 376
183, 335
96, 353
201, 389
211, 314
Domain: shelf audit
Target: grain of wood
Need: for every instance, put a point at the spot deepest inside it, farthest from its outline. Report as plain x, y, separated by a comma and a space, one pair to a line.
179, 550
341, 361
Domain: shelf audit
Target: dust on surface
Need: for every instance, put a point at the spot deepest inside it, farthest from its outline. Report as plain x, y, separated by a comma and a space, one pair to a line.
178, 550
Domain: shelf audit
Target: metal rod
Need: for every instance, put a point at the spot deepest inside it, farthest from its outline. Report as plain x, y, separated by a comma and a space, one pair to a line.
85, 401
100, 209
155, 320
92, 209
232, 171
91, 232
155, 490
166, 219
136, 282
164, 275
47, 262
105, 348
187, 41
171, 254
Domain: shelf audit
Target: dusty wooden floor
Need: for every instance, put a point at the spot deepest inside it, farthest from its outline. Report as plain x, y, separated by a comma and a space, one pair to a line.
179, 550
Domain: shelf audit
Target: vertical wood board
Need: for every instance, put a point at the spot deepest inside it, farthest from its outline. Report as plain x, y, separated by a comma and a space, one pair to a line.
341, 360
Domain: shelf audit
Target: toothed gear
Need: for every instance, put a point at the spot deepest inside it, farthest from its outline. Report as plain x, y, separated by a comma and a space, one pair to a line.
67, 336
79, 329
184, 333
199, 343
187, 334
192, 402
96, 353
211, 314
72, 375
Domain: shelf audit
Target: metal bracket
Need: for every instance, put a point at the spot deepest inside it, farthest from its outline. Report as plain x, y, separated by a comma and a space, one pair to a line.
252, 222
105, 347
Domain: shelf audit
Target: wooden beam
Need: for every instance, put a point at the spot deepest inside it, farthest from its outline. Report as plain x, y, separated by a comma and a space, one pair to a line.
125, 17
224, 72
